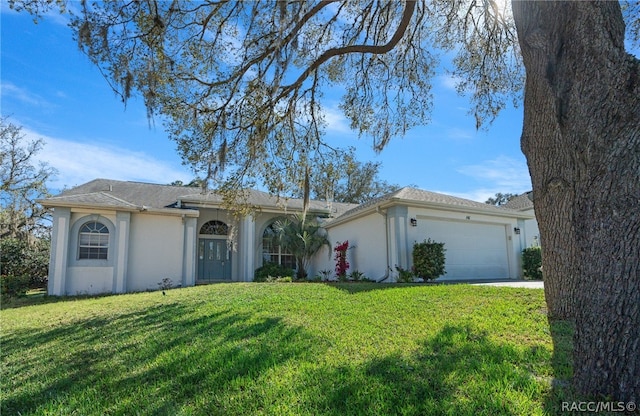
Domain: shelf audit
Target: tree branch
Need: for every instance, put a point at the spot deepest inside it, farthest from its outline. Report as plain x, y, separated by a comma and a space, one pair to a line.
369, 49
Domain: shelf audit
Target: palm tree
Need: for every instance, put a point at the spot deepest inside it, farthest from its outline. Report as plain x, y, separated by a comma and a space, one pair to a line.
302, 237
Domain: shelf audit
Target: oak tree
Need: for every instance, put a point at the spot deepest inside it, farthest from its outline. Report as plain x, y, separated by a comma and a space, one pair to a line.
24, 223
22, 181
340, 177
500, 199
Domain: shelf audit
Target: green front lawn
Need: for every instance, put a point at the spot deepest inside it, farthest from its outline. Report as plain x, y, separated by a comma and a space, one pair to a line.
285, 349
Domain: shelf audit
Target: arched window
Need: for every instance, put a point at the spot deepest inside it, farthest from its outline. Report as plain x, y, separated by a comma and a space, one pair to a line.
272, 252
93, 241
215, 227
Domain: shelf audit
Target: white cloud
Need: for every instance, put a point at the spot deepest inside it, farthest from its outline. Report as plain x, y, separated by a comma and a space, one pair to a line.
50, 13
503, 174
503, 171
10, 90
449, 81
336, 121
458, 133
78, 163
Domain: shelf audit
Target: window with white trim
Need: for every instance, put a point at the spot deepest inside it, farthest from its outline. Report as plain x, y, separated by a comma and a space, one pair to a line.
272, 252
93, 241
215, 227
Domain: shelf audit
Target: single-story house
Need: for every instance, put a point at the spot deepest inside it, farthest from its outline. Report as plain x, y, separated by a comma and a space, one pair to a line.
114, 237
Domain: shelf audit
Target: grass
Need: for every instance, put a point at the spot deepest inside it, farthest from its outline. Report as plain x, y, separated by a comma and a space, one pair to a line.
286, 349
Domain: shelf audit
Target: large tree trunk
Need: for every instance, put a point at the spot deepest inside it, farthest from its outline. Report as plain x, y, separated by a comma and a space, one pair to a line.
581, 137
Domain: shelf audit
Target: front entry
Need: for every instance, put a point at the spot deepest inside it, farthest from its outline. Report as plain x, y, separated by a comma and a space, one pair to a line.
214, 260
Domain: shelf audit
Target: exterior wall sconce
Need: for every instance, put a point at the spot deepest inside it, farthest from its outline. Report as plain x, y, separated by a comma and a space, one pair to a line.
516, 230
414, 222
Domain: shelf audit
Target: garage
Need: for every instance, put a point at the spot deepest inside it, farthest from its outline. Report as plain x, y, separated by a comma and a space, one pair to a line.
473, 250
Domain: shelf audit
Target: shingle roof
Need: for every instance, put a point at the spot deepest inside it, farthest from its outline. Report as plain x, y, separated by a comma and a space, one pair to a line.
521, 202
409, 194
112, 193
96, 198
132, 194
138, 195
266, 200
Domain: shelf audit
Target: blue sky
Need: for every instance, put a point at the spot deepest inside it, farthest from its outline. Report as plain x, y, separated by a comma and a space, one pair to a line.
51, 89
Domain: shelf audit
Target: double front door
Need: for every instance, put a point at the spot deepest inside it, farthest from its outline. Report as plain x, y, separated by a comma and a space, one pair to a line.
214, 260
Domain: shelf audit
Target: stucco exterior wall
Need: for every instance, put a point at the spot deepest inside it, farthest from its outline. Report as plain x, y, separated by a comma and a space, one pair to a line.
531, 232
147, 245
88, 276
367, 242
384, 239
89, 280
156, 247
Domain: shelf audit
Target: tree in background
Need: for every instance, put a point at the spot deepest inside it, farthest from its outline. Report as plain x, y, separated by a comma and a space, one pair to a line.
194, 183
21, 184
24, 224
500, 199
337, 176
342, 178
240, 85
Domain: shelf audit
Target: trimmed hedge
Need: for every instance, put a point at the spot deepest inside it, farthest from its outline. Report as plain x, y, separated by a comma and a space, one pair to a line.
269, 271
428, 259
532, 262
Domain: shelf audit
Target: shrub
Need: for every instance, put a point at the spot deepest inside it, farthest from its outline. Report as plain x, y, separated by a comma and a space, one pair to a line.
165, 284
12, 286
272, 270
343, 278
324, 275
532, 262
19, 258
342, 265
428, 260
404, 275
281, 279
356, 276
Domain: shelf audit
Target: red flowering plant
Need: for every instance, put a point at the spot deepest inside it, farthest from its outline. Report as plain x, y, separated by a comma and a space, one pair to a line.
342, 265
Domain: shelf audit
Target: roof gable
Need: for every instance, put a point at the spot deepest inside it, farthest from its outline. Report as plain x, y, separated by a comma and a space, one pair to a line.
521, 202
420, 197
410, 194
134, 193
102, 199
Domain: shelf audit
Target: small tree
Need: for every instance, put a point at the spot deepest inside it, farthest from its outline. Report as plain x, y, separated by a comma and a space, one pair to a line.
302, 237
428, 259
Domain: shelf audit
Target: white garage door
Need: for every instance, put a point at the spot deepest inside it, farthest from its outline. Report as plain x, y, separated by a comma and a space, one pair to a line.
473, 250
